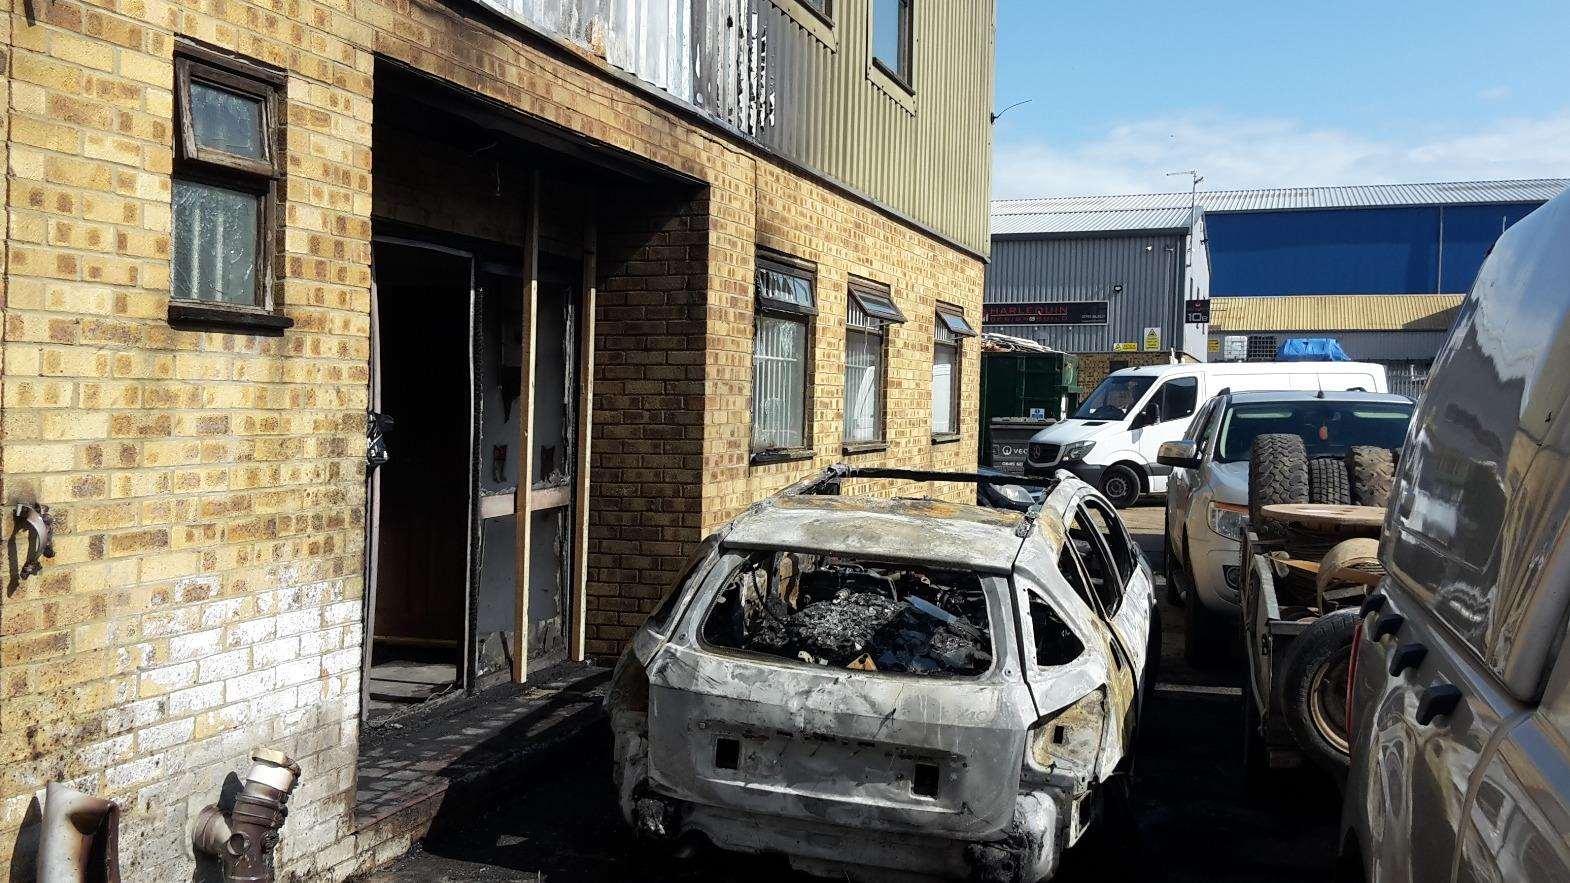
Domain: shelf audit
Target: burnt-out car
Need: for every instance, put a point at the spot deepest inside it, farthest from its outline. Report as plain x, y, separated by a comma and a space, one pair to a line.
879, 686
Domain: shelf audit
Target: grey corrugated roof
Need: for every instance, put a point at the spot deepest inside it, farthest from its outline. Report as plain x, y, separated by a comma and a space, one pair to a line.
1090, 221
1047, 215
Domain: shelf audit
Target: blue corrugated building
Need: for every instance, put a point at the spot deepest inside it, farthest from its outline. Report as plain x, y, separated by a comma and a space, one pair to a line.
1369, 241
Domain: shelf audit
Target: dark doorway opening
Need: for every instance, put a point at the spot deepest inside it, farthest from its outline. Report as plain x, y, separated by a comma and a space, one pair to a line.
422, 493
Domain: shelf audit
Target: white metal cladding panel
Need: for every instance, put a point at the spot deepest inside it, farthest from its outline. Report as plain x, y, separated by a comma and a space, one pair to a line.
1028, 270
1091, 222
1012, 214
752, 67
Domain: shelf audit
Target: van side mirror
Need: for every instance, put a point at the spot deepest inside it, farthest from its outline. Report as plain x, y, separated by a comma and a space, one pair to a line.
1182, 454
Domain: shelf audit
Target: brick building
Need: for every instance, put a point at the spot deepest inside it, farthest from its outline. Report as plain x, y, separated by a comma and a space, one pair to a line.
622, 266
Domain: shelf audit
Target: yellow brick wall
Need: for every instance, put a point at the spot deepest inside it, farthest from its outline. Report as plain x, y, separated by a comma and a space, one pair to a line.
205, 596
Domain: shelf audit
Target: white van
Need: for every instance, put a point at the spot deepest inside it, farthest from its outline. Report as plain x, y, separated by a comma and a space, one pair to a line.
1111, 441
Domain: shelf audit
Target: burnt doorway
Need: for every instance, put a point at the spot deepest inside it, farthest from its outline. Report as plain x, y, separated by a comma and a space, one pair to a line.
420, 496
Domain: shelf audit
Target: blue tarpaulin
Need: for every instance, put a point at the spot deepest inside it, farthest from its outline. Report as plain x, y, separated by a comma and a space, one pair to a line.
1311, 349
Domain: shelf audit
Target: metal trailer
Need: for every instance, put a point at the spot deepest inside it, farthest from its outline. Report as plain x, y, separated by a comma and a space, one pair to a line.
1267, 742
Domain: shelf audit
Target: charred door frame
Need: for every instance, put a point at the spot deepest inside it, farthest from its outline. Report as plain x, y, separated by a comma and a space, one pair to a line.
581, 416
468, 645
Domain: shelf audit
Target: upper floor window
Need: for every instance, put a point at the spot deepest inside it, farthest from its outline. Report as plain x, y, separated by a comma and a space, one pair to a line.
869, 313
891, 37
821, 7
782, 348
228, 161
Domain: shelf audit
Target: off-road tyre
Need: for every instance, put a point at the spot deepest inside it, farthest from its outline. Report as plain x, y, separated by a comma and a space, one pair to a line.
1121, 485
1328, 481
1372, 470
1277, 473
1313, 690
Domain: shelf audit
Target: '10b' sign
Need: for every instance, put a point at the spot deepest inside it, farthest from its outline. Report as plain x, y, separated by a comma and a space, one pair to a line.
1088, 312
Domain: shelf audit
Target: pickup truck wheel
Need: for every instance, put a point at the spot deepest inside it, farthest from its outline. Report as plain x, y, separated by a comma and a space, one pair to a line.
1171, 569
1313, 690
1207, 641
1121, 485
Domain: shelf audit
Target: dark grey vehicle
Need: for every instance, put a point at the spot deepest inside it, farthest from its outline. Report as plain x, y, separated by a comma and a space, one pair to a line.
1460, 688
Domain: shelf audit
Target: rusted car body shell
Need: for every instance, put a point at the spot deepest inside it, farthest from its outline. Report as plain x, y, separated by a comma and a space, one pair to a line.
823, 773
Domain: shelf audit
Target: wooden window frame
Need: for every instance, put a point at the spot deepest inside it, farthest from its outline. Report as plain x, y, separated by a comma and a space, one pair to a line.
878, 327
806, 316
259, 177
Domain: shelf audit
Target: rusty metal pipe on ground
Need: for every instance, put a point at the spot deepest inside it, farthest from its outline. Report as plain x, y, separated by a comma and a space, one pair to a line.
243, 838
80, 840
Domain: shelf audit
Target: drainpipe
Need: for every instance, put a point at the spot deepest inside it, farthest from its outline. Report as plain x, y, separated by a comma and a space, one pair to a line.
244, 837
80, 841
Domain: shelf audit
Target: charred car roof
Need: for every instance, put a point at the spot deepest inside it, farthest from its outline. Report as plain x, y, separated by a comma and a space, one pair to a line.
923, 531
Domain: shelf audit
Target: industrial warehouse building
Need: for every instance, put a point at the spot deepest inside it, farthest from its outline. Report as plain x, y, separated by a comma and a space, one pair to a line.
603, 274
1380, 268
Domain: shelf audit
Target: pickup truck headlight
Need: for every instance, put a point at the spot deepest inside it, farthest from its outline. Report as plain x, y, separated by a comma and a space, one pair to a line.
1077, 450
1229, 520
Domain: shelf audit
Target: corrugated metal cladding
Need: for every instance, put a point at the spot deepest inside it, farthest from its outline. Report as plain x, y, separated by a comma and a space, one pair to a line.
1091, 222
1150, 269
1347, 312
808, 94
1281, 199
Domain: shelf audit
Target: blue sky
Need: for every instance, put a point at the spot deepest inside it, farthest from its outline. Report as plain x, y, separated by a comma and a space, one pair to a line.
1278, 93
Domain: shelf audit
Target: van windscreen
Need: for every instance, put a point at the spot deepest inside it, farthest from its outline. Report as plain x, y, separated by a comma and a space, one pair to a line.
1328, 428
1114, 397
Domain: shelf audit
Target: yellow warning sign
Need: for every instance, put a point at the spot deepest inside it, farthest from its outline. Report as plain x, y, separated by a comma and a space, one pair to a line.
1152, 338
1214, 345
1125, 347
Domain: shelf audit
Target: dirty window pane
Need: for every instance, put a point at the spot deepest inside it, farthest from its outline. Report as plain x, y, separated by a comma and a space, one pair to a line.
227, 121
847, 613
945, 388
863, 386
215, 243
785, 290
779, 383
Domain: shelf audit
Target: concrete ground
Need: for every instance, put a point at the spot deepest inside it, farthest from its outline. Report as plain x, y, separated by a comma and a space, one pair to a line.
1193, 821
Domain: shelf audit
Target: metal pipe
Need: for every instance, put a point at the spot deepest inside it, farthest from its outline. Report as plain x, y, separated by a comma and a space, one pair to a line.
80, 841
243, 838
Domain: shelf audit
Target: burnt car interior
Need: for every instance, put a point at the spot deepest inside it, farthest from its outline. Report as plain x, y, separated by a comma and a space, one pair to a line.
850, 613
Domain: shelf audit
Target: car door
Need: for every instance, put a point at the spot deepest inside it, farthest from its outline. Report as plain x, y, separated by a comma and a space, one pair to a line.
1167, 412
1084, 562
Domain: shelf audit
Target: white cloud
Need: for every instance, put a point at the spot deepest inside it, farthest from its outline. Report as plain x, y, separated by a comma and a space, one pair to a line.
1237, 153
1494, 93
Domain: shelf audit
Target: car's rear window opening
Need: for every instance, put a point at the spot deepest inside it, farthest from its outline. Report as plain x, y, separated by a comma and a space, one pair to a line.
848, 613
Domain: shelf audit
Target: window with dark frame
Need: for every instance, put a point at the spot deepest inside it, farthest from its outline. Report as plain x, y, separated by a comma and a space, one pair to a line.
891, 39
782, 347
228, 163
948, 336
870, 310
821, 7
